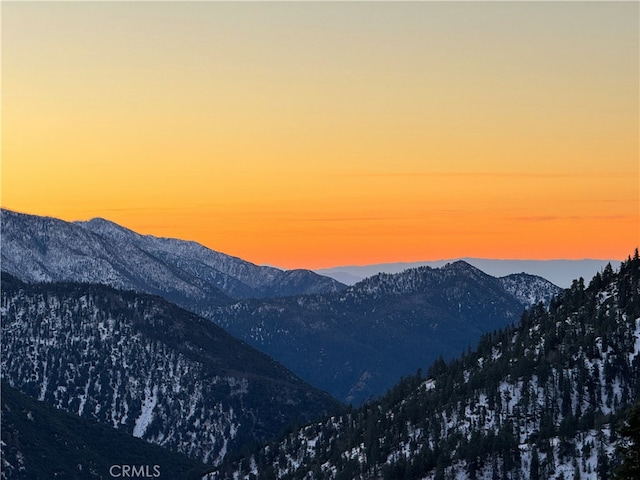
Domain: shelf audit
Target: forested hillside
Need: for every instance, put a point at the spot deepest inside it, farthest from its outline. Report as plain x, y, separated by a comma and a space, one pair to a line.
145, 366
542, 400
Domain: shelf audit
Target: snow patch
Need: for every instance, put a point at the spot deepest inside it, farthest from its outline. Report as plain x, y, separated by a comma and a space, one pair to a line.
429, 384
146, 414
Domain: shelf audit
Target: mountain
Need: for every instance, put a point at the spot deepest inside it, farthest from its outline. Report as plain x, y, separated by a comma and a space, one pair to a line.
235, 277
334, 338
559, 272
541, 400
37, 249
147, 367
357, 343
40, 442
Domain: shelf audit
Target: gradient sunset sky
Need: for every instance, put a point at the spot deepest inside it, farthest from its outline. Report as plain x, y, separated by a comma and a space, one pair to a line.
315, 134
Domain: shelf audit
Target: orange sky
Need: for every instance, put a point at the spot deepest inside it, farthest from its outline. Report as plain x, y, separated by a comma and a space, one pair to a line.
318, 134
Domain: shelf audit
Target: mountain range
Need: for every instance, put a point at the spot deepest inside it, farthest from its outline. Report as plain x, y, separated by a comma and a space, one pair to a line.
123, 333
558, 272
111, 338
334, 337
541, 400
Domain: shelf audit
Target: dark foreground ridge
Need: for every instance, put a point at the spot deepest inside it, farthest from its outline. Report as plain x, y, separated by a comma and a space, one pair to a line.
42, 443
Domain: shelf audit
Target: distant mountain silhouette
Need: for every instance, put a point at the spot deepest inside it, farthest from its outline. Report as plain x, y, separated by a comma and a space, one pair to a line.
558, 272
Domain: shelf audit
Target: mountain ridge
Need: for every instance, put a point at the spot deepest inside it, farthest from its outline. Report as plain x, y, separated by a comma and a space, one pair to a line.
100, 251
240, 278
359, 342
561, 272
148, 367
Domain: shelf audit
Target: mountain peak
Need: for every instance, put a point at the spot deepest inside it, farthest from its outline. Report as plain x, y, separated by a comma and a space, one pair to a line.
461, 266
103, 226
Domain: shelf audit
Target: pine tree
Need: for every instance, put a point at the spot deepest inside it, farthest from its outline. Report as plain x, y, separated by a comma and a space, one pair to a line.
630, 445
534, 470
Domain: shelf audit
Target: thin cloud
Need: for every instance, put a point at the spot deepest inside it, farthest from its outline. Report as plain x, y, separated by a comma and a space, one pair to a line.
547, 175
553, 218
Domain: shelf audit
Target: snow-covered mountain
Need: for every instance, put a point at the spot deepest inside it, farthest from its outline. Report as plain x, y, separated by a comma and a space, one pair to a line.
334, 338
37, 249
540, 401
147, 367
357, 343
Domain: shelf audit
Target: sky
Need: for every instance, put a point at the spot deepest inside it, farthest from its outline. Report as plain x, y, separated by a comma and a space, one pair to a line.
317, 134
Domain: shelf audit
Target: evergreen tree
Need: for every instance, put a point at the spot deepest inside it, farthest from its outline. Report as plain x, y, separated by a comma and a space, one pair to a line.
630, 445
534, 470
